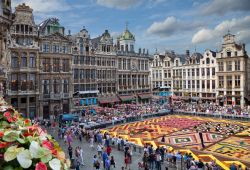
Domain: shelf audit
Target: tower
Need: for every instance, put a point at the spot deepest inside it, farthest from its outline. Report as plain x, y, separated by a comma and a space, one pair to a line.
126, 41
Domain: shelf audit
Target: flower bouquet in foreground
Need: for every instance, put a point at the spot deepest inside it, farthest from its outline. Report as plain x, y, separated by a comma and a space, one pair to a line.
27, 146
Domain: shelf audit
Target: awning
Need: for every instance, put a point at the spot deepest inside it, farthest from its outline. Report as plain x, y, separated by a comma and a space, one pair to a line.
87, 92
145, 96
211, 98
108, 99
127, 98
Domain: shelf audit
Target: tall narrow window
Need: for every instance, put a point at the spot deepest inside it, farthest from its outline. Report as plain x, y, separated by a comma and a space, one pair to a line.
32, 61
23, 82
14, 60
229, 81
45, 86
65, 86
32, 81
13, 83
24, 60
237, 81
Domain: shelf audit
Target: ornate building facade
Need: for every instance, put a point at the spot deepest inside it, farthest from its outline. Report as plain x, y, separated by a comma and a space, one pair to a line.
188, 77
133, 70
233, 73
5, 22
55, 65
23, 87
84, 71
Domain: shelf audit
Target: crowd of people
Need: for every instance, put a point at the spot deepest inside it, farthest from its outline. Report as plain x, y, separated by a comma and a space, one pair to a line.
151, 159
210, 108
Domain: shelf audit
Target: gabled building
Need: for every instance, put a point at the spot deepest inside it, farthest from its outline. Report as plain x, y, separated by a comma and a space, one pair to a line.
232, 73
55, 65
106, 69
84, 71
23, 82
133, 70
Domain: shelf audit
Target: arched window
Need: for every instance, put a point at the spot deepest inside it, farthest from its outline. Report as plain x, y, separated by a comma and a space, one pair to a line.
208, 60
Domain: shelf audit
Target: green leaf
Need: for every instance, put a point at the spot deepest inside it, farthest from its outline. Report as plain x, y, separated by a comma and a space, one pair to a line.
20, 140
11, 153
45, 155
8, 168
55, 164
24, 158
4, 124
30, 139
11, 136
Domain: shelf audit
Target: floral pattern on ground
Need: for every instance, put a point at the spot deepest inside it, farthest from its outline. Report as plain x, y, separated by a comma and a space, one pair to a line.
235, 147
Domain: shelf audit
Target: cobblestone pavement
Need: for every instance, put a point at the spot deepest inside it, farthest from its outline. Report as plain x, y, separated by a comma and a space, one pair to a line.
89, 154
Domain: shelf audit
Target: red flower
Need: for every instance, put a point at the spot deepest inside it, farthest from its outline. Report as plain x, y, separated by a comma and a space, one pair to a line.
47, 144
41, 166
7, 114
9, 119
1, 134
3, 144
27, 121
14, 118
54, 152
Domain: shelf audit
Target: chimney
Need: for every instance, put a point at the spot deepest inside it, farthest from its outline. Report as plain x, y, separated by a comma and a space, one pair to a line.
243, 48
139, 51
187, 53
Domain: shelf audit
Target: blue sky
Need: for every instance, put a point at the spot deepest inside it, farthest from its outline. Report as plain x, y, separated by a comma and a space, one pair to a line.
163, 24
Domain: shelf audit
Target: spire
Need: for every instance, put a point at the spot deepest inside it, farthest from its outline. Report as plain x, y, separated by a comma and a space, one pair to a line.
127, 25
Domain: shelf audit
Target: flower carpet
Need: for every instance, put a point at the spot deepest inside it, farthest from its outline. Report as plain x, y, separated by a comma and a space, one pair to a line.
24, 145
221, 138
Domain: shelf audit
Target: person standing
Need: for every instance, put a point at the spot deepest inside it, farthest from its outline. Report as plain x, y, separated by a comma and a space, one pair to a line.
112, 161
158, 161
70, 150
99, 150
107, 164
108, 150
81, 156
104, 157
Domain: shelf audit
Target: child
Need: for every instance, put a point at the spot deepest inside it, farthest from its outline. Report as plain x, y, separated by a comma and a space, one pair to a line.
112, 161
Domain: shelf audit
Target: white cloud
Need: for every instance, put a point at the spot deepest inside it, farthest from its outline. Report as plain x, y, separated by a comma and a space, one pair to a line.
223, 6
44, 6
119, 4
239, 26
170, 26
